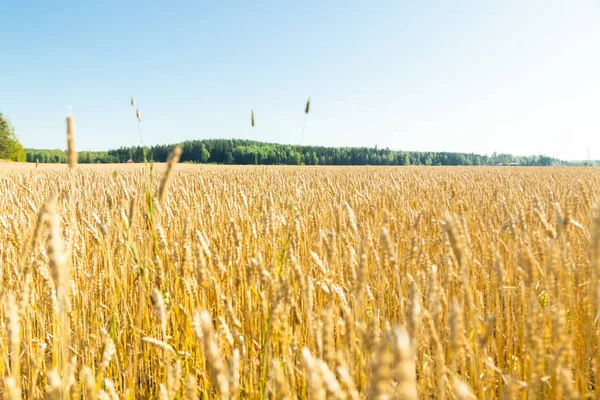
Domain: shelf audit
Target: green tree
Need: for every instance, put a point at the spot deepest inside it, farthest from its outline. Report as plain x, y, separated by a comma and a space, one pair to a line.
204, 155
406, 159
10, 147
229, 158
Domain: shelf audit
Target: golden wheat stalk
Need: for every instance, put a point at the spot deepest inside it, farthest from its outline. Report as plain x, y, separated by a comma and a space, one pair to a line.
171, 162
72, 152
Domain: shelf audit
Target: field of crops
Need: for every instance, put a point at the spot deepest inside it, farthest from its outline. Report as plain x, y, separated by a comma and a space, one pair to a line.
299, 282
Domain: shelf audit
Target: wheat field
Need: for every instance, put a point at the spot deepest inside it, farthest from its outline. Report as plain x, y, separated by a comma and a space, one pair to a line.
299, 282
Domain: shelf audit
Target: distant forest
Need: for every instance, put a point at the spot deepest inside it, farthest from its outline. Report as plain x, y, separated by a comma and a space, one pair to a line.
249, 152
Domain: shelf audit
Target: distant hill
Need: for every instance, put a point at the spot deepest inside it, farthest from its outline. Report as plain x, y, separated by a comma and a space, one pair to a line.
247, 152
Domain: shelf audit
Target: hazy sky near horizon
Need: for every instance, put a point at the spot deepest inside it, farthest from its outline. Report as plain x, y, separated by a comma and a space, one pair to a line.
472, 76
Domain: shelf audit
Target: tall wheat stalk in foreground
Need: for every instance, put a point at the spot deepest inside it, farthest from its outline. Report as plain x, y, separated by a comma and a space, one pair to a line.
284, 282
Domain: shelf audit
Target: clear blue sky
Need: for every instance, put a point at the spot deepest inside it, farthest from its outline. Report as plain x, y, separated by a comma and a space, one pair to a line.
474, 76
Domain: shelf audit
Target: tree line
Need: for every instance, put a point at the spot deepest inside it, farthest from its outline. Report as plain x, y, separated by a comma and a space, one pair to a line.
249, 152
